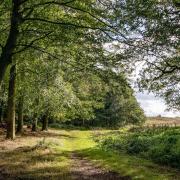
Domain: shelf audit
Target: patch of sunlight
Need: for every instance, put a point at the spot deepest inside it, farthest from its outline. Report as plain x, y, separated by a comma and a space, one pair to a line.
52, 158
77, 140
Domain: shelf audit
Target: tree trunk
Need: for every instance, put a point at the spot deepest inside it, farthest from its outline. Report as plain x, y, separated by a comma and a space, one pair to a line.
7, 50
1, 118
11, 104
35, 118
1, 114
20, 116
3, 67
34, 125
45, 123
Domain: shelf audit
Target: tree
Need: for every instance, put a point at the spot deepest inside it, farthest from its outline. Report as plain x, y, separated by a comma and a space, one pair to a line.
89, 90
163, 80
20, 122
33, 25
3, 100
154, 41
41, 87
11, 104
160, 73
61, 50
32, 22
120, 105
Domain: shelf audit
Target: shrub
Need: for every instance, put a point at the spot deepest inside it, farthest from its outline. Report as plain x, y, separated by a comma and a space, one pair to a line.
137, 144
160, 146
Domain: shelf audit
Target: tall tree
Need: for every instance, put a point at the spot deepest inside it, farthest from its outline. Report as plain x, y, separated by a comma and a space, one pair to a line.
20, 110
161, 70
11, 104
50, 21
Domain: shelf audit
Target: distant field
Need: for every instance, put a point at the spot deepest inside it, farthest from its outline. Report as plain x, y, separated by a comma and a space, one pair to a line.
163, 121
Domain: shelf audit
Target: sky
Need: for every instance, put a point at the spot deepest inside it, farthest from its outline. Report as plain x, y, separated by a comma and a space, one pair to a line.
154, 106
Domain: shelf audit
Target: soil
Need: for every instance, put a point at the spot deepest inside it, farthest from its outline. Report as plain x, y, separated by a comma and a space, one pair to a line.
83, 169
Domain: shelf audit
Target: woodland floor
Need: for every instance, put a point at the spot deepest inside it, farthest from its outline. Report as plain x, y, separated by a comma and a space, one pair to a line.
71, 155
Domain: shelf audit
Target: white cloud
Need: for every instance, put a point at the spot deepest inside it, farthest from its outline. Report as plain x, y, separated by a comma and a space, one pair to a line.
154, 106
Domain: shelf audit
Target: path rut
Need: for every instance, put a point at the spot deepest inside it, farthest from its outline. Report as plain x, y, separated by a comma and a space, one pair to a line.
83, 169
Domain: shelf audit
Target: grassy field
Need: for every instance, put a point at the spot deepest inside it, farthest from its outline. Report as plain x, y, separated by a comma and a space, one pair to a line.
162, 121
48, 155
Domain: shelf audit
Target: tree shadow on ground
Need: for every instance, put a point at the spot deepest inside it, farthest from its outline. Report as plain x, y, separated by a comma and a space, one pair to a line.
84, 169
28, 133
43, 163
129, 166
40, 163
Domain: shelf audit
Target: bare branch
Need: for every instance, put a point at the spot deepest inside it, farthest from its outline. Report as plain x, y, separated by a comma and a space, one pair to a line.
47, 3
62, 23
52, 2
31, 43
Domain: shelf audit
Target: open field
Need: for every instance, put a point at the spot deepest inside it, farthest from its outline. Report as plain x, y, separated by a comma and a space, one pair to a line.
60, 154
159, 121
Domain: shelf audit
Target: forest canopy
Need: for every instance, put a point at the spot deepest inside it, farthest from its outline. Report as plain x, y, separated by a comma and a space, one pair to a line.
70, 60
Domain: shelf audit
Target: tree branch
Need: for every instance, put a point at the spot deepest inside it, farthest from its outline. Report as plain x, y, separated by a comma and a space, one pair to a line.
31, 43
62, 23
47, 3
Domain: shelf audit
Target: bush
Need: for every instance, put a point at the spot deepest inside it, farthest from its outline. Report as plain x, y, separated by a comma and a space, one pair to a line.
64, 126
160, 146
137, 144
56, 125
167, 152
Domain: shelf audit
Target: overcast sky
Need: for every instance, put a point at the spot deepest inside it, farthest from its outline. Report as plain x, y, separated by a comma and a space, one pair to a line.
154, 106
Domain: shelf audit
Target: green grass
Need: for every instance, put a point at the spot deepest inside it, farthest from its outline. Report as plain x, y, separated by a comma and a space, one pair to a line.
126, 165
138, 168
129, 166
36, 157
50, 157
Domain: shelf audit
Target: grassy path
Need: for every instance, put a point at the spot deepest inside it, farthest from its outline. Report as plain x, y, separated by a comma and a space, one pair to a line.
71, 155
125, 165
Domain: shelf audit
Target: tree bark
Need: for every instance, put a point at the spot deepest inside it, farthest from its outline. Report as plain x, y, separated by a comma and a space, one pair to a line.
45, 123
11, 104
1, 113
20, 122
35, 118
3, 67
34, 125
7, 50
2, 108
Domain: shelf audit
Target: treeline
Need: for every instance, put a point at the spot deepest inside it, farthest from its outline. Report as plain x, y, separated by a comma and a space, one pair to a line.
101, 98
69, 60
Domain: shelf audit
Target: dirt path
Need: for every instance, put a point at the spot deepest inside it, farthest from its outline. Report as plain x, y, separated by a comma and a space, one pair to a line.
83, 169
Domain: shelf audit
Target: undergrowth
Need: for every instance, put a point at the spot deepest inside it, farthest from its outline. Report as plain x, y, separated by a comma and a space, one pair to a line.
162, 146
